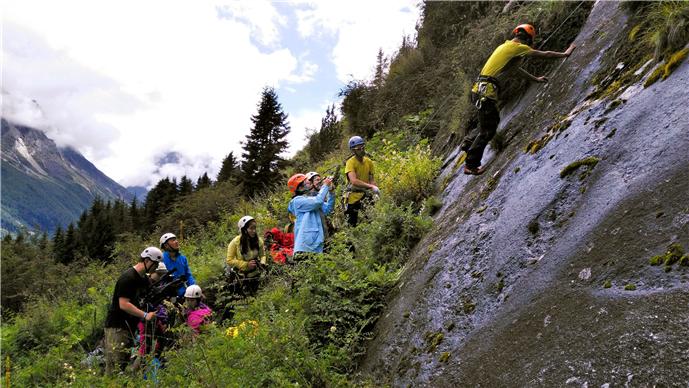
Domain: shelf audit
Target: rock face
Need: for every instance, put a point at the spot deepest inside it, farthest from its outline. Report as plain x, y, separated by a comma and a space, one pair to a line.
45, 186
542, 277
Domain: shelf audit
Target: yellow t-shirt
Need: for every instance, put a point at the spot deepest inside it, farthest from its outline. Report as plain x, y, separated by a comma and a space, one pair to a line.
364, 172
502, 55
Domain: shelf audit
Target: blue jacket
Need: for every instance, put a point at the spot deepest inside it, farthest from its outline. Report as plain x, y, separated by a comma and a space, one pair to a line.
309, 233
181, 267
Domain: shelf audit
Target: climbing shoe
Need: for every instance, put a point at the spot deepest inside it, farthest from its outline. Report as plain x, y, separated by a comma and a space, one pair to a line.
473, 171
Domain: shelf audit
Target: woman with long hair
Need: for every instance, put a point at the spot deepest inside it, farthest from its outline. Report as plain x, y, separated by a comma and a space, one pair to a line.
246, 254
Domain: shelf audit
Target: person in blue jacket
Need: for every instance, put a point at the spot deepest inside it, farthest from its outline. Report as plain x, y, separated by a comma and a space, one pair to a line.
176, 262
309, 230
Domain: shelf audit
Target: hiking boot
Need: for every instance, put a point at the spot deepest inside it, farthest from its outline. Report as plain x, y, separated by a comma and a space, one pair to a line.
473, 171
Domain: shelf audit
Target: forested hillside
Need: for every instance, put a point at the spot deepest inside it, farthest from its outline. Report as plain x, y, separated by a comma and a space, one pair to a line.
546, 270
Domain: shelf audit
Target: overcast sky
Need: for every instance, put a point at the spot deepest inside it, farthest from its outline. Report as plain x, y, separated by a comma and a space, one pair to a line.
127, 82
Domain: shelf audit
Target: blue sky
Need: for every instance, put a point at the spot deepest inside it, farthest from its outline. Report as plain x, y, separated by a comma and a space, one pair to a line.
127, 82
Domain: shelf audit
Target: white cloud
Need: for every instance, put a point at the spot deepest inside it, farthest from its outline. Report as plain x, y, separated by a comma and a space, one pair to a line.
260, 16
355, 23
129, 81
126, 82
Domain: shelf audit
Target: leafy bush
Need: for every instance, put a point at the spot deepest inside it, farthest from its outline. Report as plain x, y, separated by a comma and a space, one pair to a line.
406, 175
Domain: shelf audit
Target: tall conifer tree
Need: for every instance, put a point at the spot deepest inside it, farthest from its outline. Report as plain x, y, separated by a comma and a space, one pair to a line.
229, 172
185, 186
263, 146
203, 182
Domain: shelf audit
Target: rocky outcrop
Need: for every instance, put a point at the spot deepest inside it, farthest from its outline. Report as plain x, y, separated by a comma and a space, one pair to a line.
542, 274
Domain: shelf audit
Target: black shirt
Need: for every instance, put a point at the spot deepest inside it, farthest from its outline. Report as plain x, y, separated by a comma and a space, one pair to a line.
130, 285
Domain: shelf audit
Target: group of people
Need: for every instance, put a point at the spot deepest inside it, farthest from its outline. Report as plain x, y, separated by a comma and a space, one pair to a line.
130, 316
312, 200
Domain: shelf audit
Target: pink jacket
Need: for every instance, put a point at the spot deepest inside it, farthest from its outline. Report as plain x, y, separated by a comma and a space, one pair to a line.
196, 318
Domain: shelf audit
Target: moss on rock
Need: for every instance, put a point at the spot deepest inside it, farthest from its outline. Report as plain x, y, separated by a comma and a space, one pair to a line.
590, 161
629, 287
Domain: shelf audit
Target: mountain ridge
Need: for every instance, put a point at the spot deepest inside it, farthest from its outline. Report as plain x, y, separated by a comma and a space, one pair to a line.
45, 186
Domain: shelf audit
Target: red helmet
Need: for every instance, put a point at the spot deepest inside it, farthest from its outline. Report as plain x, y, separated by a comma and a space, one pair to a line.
294, 182
528, 28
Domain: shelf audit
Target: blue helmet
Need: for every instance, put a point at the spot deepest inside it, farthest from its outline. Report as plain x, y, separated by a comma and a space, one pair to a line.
355, 141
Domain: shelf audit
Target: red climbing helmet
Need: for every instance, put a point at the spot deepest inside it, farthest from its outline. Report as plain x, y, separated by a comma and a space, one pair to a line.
528, 28
294, 182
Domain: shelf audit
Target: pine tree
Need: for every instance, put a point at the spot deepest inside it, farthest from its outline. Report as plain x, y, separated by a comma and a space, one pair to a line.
229, 172
381, 64
70, 245
203, 182
158, 201
186, 186
263, 146
58, 244
135, 216
327, 138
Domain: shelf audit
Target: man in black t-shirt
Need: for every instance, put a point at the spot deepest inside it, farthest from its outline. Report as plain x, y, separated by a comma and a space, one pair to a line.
124, 312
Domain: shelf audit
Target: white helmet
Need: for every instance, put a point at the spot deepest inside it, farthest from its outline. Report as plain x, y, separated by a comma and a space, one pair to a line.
162, 269
193, 291
152, 253
311, 174
243, 221
165, 237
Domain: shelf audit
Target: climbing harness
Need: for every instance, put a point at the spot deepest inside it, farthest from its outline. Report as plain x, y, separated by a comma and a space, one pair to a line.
483, 81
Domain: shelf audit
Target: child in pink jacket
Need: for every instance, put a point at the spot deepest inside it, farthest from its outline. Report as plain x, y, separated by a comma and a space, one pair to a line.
197, 312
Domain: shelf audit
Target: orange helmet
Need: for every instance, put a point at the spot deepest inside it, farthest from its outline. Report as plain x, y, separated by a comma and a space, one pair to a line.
294, 182
528, 28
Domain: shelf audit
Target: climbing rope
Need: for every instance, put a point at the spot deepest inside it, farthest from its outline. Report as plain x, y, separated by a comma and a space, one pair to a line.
560, 26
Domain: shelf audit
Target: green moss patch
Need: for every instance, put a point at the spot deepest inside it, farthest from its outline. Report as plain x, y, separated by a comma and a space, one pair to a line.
589, 162
629, 287
607, 284
444, 357
433, 339
674, 254
664, 70
536, 145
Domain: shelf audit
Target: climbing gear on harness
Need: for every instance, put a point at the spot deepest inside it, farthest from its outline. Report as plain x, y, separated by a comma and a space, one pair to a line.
294, 182
243, 221
480, 96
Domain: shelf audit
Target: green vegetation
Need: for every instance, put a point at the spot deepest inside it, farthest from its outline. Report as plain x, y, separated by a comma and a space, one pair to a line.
658, 31
433, 340
607, 284
444, 357
311, 321
664, 70
590, 162
673, 254
629, 287
500, 285
561, 124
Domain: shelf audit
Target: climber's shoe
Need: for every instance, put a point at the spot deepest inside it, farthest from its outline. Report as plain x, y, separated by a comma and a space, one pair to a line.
473, 171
